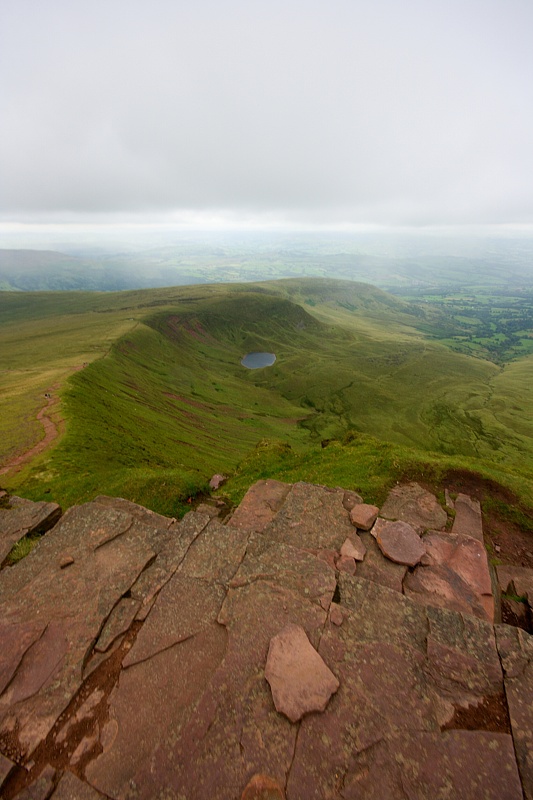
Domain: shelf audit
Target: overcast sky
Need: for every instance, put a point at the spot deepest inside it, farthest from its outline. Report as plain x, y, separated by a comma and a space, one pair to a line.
410, 112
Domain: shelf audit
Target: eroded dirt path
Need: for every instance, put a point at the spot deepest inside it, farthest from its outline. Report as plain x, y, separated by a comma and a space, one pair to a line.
51, 430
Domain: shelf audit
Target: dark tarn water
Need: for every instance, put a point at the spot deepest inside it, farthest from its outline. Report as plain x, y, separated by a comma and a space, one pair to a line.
257, 360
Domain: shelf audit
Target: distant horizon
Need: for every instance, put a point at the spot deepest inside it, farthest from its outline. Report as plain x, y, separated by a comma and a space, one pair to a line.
222, 226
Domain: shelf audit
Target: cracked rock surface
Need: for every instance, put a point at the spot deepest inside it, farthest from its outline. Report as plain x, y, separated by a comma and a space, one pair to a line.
134, 657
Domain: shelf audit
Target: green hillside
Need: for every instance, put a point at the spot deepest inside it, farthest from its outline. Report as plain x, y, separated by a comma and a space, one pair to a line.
163, 401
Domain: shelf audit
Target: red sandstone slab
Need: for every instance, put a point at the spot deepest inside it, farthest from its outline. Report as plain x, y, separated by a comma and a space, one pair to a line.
141, 513
313, 518
471, 765
173, 549
516, 651
72, 788
399, 542
381, 730
455, 574
299, 679
15, 639
413, 504
22, 517
216, 553
259, 505
287, 566
169, 683
353, 547
182, 609
118, 623
441, 586
363, 516
468, 520
375, 567
110, 550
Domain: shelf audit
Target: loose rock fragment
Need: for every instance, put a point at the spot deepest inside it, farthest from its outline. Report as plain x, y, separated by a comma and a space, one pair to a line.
401, 543
261, 787
217, 481
354, 548
346, 564
335, 614
299, 679
364, 515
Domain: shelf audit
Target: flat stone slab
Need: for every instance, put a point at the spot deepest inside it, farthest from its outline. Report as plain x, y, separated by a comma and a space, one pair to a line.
208, 723
173, 549
141, 513
312, 517
399, 542
468, 520
215, 554
23, 517
471, 765
41, 788
363, 516
515, 647
118, 622
413, 504
375, 567
182, 706
299, 679
182, 609
455, 574
72, 788
381, 737
110, 551
287, 566
259, 505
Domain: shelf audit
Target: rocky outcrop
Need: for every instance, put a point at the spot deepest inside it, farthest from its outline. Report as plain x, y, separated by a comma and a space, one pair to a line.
282, 654
20, 517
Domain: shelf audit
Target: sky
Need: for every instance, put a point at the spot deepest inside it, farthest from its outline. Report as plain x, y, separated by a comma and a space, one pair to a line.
258, 113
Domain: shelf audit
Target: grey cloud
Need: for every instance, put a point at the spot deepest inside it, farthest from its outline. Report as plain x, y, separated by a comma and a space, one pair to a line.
384, 112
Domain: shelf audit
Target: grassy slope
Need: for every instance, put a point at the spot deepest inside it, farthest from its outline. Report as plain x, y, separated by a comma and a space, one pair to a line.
169, 404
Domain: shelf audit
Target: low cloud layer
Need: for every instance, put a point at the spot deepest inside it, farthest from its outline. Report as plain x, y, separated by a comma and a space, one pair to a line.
299, 111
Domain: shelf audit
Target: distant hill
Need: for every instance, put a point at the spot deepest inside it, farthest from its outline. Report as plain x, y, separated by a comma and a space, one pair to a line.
47, 270
412, 266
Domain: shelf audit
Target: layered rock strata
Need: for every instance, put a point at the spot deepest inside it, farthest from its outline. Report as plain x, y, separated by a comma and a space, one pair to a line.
134, 655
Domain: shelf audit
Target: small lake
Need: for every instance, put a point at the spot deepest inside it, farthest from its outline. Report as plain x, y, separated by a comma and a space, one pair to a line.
257, 360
